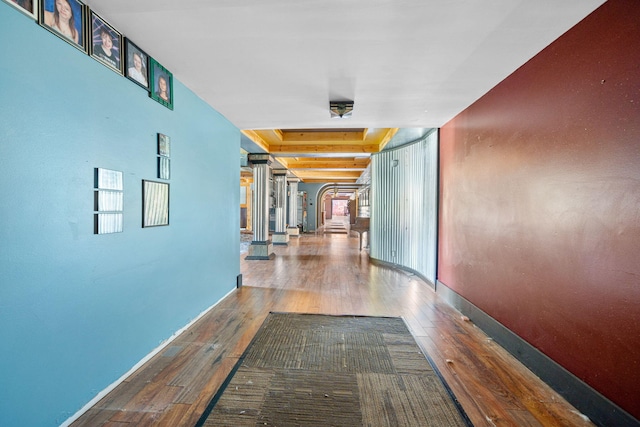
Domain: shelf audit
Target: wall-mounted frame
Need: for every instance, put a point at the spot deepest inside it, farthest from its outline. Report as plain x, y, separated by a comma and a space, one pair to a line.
164, 145
106, 43
155, 203
66, 19
108, 201
164, 152
164, 168
28, 7
161, 84
136, 67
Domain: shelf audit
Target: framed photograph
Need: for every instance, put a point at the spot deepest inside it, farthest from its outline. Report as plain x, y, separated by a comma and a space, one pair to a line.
136, 64
107, 179
106, 43
28, 7
164, 145
108, 201
108, 223
155, 203
161, 84
164, 168
67, 19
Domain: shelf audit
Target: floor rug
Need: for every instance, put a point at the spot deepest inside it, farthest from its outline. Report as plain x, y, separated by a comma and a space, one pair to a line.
318, 370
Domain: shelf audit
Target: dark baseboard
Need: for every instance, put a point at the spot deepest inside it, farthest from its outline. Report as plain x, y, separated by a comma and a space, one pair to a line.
600, 410
260, 257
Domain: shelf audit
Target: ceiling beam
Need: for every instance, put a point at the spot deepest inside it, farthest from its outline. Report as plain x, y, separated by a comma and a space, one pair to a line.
386, 137
323, 181
284, 161
327, 163
327, 175
323, 148
318, 137
257, 139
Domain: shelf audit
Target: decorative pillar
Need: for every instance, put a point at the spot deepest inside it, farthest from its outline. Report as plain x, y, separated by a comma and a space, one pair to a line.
293, 229
261, 247
280, 236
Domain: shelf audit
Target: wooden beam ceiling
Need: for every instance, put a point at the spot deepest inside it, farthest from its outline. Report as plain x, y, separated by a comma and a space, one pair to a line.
347, 163
323, 155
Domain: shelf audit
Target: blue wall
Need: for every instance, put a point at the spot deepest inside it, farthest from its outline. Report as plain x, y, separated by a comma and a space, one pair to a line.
78, 310
312, 202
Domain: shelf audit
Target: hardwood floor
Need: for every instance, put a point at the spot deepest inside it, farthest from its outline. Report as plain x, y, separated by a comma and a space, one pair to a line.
326, 273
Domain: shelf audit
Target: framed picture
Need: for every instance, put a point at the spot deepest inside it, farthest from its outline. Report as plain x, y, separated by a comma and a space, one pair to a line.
164, 145
161, 84
108, 201
106, 179
136, 67
28, 7
67, 19
164, 168
155, 203
106, 43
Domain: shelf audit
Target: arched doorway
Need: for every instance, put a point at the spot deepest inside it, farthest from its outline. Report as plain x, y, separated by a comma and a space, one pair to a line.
336, 200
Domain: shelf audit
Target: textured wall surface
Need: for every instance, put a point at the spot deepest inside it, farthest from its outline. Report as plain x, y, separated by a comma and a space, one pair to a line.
404, 196
78, 310
540, 202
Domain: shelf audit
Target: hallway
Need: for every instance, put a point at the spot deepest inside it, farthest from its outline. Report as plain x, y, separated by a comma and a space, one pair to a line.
325, 273
336, 225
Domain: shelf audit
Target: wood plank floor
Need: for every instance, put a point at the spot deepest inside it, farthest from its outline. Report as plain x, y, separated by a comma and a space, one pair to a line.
327, 274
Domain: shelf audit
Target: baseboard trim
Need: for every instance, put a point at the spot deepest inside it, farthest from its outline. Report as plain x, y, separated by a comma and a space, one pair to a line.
600, 410
144, 360
260, 257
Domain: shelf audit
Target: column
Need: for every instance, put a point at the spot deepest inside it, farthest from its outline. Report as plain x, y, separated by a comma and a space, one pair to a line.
280, 236
293, 229
261, 247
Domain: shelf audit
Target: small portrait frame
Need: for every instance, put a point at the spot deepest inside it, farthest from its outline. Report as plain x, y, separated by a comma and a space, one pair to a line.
28, 7
74, 31
161, 92
155, 203
105, 43
134, 55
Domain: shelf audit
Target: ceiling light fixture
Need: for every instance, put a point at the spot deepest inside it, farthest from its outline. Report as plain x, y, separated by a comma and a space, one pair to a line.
341, 109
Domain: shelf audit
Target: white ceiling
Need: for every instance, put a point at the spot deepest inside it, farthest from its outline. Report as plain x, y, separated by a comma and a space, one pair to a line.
268, 64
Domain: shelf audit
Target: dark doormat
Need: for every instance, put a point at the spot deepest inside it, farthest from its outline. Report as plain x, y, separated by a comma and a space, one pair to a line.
317, 370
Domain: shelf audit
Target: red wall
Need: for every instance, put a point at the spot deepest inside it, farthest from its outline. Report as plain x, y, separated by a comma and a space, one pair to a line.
540, 202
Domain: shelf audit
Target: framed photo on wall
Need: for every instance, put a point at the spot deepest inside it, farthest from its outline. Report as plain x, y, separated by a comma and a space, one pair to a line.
161, 84
28, 7
155, 203
108, 201
164, 168
136, 67
66, 19
164, 145
106, 43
